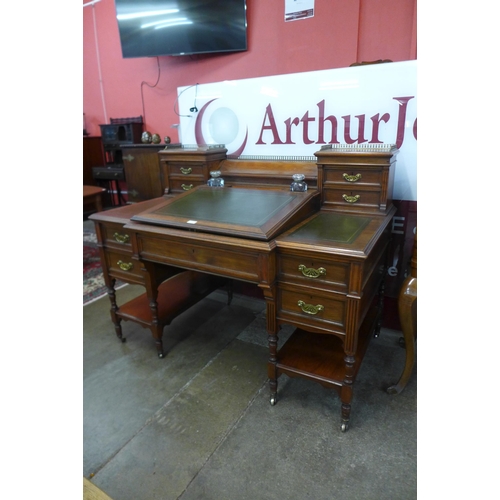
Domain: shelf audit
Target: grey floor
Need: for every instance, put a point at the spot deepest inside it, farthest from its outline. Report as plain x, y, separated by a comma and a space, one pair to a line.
198, 423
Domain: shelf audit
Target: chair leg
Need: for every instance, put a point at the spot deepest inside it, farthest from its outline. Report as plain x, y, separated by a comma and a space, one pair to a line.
407, 305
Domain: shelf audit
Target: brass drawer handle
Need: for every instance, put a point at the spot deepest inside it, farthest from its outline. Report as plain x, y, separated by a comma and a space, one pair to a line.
309, 308
350, 199
310, 272
121, 238
186, 171
129, 157
186, 187
352, 178
124, 266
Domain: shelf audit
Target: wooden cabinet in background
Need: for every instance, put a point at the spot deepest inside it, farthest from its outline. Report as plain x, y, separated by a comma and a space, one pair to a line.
92, 157
142, 171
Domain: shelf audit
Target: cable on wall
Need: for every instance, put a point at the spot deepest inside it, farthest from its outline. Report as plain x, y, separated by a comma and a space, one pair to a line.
194, 109
98, 57
150, 86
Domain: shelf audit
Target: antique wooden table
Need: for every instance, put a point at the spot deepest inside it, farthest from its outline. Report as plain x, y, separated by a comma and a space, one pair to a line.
318, 257
93, 194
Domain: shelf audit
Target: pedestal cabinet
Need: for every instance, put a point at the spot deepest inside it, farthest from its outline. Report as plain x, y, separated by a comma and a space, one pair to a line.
142, 171
330, 271
357, 179
185, 168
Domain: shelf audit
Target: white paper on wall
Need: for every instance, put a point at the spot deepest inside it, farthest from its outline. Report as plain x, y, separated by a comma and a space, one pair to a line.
298, 9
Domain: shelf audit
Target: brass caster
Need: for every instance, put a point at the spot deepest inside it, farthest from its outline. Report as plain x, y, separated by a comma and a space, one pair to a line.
161, 355
344, 426
273, 400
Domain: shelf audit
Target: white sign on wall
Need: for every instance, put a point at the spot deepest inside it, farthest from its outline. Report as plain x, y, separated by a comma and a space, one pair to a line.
298, 9
295, 114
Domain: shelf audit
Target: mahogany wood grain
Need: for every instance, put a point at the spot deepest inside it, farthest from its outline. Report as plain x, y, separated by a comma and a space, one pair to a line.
407, 306
350, 244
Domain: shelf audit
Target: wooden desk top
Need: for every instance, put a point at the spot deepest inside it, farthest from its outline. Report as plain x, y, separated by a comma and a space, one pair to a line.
92, 191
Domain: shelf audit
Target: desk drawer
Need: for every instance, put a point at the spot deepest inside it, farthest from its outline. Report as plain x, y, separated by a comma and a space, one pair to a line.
121, 265
353, 177
317, 273
115, 236
304, 306
351, 199
185, 169
181, 185
238, 264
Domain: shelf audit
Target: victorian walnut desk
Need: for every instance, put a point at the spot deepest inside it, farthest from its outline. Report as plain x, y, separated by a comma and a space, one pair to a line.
318, 257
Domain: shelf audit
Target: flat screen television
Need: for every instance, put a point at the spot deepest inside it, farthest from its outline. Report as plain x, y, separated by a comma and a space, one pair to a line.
151, 28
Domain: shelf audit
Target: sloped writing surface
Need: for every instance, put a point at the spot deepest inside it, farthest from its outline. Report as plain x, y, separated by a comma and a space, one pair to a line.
245, 207
244, 212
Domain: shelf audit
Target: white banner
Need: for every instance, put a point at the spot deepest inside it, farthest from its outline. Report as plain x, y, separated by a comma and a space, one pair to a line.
294, 115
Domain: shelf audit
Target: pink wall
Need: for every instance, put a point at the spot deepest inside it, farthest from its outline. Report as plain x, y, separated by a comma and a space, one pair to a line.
340, 33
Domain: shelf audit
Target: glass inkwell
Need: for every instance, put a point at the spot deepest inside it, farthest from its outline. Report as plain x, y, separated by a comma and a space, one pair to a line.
298, 184
216, 180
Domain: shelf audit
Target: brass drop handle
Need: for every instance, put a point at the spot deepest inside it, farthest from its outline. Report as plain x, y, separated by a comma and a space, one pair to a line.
186, 187
186, 171
125, 266
121, 238
310, 272
309, 308
350, 199
352, 178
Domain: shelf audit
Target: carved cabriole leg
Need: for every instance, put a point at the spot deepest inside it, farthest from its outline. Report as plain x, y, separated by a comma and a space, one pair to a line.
407, 305
272, 330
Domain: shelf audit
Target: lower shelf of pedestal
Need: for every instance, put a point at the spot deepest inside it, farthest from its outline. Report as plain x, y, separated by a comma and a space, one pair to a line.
320, 357
175, 295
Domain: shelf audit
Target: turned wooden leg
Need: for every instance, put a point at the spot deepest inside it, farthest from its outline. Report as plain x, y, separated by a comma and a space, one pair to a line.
346, 392
114, 309
271, 368
272, 330
156, 327
407, 306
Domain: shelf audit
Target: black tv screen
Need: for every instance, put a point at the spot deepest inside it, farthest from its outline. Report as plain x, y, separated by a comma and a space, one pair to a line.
151, 28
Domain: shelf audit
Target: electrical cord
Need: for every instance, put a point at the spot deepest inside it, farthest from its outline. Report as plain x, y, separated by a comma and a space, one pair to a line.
150, 86
194, 109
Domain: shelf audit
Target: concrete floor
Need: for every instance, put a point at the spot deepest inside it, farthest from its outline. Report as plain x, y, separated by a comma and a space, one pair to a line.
198, 423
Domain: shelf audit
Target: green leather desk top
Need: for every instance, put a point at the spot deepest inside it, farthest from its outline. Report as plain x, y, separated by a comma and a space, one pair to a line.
247, 207
332, 233
252, 213
331, 227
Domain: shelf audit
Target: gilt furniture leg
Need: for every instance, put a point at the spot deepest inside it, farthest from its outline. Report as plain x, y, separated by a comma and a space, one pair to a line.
407, 305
